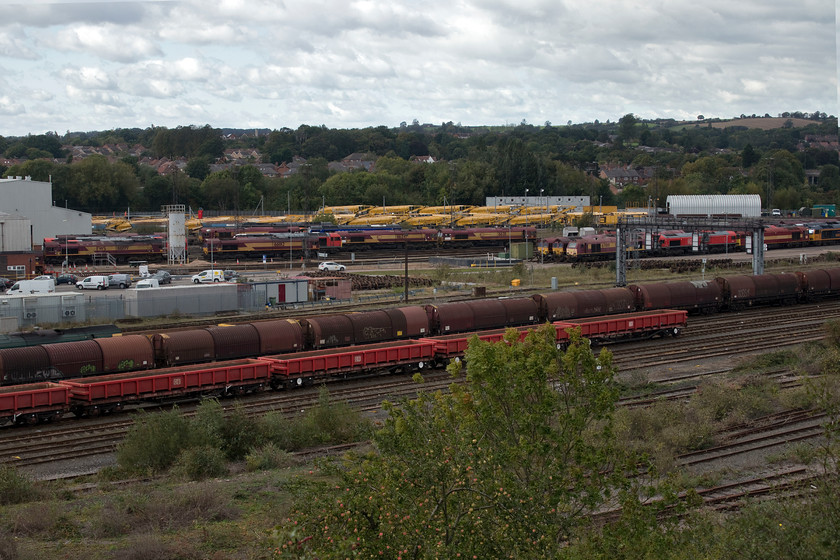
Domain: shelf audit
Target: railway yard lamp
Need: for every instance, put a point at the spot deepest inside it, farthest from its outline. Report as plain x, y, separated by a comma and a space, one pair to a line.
526, 214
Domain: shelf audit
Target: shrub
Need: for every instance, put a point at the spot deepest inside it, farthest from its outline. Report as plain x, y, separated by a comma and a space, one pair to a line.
239, 433
207, 424
269, 457
334, 422
15, 488
276, 429
154, 442
198, 463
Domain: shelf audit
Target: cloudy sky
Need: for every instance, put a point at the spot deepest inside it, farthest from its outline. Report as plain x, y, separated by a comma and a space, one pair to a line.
78, 66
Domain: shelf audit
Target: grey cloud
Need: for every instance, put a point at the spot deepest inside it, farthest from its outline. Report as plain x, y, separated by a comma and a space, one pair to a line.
61, 13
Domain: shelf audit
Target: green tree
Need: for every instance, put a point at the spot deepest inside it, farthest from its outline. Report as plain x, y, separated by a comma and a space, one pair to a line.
627, 126
749, 156
829, 178
198, 168
506, 466
99, 185
221, 191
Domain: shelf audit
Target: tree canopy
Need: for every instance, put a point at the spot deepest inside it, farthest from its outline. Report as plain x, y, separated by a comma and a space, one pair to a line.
508, 465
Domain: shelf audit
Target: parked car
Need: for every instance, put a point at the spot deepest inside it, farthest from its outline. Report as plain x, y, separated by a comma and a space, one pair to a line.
121, 280
162, 276
66, 279
5, 284
45, 277
231, 275
331, 266
93, 283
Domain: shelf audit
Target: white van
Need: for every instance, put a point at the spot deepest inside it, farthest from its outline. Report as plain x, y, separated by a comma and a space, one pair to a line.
209, 276
147, 283
27, 287
93, 283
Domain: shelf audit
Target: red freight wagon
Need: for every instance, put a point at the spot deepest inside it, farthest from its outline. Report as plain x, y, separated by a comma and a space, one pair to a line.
614, 327
454, 345
110, 392
27, 404
304, 367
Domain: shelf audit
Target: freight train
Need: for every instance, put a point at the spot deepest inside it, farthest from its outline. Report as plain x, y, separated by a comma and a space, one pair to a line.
678, 242
279, 241
83, 249
52, 336
89, 396
275, 244
280, 336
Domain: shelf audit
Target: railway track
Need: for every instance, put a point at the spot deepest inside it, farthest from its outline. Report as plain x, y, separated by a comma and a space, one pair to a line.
767, 436
67, 441
732, 335
29, 448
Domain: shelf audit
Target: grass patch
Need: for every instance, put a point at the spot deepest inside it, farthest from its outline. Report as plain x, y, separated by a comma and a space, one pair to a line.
668, 428
15, 488
770, 361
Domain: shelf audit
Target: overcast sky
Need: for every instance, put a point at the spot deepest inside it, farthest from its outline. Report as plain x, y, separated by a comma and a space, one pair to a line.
79, 66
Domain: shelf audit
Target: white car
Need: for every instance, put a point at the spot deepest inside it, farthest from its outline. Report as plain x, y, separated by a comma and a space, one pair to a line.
331, 266
93, 283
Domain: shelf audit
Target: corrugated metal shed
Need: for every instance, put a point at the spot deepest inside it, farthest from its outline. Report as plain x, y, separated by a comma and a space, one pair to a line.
744, 205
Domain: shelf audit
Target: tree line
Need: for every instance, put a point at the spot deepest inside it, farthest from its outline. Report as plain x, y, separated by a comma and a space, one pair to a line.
472, 163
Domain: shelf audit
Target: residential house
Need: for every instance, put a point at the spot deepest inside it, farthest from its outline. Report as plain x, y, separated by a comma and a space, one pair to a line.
422, 159
620, 176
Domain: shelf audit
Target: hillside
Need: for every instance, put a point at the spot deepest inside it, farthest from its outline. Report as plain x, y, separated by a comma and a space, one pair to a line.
764, 123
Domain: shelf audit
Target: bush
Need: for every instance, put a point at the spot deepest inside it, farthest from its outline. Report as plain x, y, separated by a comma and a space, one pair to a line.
154, 442
269, 457
198, 463
240, 434
333, 422
15, 488
276, 429
736, 403
207, 424
327, 422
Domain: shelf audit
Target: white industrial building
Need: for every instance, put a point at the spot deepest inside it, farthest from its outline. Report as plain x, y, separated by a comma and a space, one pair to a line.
579, 202
715, 205
33, 200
